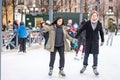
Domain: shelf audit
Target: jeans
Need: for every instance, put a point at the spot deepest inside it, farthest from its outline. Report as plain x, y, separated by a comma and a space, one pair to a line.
22, 44
61, 54
110, 37
95, 59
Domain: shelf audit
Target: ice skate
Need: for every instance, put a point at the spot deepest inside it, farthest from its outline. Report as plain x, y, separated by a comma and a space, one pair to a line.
61, 73
76, 57
95, 70
83, 69
50, 71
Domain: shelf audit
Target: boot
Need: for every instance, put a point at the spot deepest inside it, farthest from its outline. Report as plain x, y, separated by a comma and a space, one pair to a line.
76, 57
61, 73
95, 70
83, 69
50, 71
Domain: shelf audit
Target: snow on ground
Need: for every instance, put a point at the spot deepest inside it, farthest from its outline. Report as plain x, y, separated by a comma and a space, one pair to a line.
34, 65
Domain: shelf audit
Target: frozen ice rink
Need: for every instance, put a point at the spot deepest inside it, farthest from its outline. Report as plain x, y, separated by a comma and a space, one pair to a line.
34, 65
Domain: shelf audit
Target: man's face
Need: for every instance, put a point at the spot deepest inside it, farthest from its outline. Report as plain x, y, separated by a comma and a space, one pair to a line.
94, 16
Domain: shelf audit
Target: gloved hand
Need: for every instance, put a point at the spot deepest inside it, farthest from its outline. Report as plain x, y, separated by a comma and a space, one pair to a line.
75, 40
101, 43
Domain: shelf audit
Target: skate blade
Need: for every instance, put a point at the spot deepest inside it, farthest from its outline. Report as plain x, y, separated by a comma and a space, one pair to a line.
61, 76
76, 59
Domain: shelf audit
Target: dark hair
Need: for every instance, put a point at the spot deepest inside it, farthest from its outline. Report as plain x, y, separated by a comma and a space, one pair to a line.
83, 22
21, 23
15, 23
55, 22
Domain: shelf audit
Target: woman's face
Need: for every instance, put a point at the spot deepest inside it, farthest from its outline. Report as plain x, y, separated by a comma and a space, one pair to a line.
94, 16
59, 21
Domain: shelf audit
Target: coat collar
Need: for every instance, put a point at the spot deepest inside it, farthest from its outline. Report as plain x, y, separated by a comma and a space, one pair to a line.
96, 26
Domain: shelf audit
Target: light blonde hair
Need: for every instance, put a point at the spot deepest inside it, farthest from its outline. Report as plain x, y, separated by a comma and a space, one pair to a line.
93, 13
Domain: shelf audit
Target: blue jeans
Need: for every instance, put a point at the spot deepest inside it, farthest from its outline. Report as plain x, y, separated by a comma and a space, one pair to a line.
110, 38
95, 59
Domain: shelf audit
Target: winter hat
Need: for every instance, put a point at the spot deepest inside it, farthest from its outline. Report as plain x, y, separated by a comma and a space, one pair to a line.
48, 22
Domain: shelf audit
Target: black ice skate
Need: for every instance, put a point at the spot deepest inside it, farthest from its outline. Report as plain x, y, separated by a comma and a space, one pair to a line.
83, 69
95, 70
61, 73
50, 71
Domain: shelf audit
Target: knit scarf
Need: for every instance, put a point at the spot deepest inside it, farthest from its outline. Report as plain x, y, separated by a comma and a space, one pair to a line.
94, 24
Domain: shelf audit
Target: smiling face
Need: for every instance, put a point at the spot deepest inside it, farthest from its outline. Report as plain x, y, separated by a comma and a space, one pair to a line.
59, 21
94, 16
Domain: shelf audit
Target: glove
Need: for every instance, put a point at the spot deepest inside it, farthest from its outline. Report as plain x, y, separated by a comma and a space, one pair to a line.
101, 43
75, 40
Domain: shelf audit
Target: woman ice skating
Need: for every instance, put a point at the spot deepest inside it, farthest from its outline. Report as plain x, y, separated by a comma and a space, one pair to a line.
93, 27
57, 42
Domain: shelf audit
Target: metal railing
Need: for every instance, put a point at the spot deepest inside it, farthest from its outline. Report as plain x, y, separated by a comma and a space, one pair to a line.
10, 40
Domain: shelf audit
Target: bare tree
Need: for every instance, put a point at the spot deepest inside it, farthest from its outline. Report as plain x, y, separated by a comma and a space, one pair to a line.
86, 9
14, 4
102, 12
117, 12
5, 9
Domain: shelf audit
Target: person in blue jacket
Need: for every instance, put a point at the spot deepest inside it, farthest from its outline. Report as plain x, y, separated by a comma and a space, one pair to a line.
21, 31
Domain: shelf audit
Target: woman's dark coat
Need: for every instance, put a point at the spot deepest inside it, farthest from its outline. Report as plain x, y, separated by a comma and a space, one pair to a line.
92, 37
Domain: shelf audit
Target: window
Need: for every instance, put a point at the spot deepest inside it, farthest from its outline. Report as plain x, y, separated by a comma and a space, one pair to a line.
110, 8
20, 2
19, 10
75, 9
65, 10
65, 2
3, 2
110, 0
96, 8
37, 2
75, 1
30, 2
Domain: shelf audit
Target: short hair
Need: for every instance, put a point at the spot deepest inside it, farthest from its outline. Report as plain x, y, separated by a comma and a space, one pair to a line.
93, 13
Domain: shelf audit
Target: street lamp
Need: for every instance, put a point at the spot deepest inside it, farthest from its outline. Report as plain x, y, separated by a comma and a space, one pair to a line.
34, 10
24, 11
109, 12
109, 15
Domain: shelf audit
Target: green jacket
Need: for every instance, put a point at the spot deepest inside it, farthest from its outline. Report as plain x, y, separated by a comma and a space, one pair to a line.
112, 28
51, 41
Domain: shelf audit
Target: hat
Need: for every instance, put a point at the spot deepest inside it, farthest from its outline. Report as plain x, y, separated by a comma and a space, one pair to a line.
48, 22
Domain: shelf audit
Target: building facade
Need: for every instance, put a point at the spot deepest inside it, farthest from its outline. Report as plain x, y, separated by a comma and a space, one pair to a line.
106, 8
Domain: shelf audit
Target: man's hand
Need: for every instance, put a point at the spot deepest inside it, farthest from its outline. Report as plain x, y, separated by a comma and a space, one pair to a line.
101, 43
